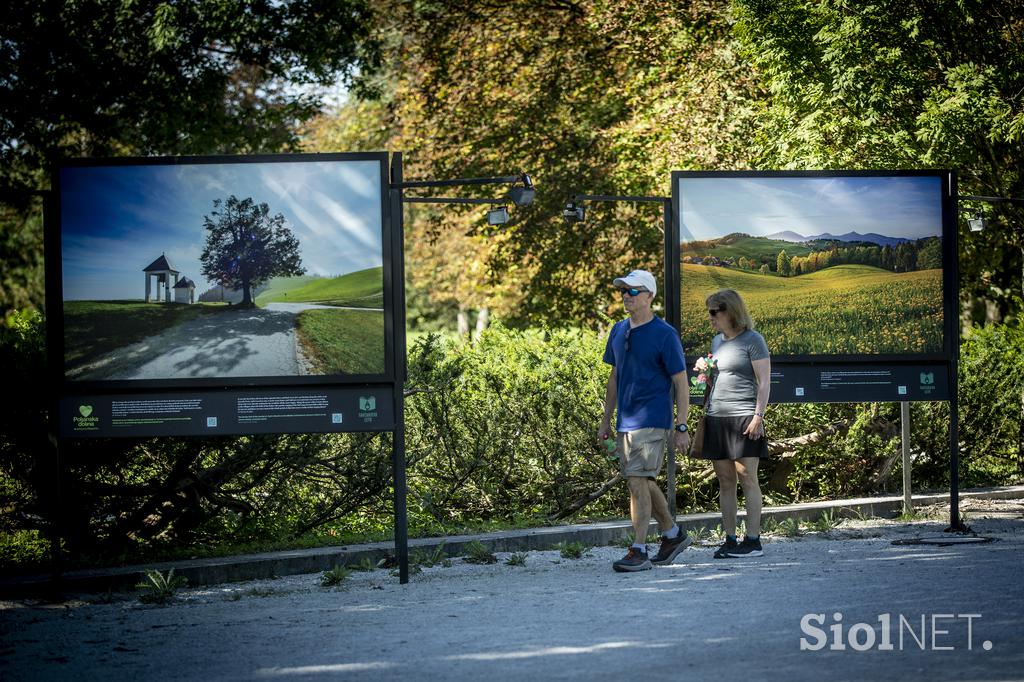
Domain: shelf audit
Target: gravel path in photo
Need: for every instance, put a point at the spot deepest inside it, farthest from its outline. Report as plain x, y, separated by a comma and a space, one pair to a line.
248, 342
558, 618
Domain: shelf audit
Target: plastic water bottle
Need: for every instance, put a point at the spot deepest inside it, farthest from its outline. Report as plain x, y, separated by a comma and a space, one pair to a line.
610, 447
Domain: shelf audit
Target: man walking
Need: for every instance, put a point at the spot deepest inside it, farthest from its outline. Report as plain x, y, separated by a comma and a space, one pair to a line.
647, 362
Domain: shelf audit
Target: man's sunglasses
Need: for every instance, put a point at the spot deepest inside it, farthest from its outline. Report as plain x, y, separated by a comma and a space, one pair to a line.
712, 313
633, 291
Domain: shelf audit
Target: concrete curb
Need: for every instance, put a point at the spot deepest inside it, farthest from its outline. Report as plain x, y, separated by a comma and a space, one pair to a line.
271, 564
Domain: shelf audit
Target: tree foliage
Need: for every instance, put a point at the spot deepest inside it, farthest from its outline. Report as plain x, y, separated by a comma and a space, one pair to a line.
588, 97
145, 77
924, 83
246, 246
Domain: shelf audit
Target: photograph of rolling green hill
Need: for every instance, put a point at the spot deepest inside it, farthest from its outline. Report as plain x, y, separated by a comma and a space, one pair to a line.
827, 265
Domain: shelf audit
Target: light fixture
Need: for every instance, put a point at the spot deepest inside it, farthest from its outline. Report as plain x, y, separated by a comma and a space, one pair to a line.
976, 222
573, 212
523, 196
497, 215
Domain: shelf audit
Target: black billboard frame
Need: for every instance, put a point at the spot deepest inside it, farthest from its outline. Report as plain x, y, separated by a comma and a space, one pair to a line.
392, 380
946, 361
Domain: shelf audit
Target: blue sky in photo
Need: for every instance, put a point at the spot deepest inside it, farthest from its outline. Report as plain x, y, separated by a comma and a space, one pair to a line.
116, 220
908, 207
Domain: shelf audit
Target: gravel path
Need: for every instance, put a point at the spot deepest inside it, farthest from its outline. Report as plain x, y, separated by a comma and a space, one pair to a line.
557, 618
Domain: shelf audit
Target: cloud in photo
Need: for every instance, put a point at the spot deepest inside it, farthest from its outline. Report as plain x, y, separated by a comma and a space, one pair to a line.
116, 220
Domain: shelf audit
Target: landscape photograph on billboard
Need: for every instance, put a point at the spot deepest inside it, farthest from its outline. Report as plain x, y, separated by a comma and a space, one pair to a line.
828, 265
208, 270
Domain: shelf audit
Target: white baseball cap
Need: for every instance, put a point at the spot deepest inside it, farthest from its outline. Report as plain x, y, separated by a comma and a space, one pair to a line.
638, 278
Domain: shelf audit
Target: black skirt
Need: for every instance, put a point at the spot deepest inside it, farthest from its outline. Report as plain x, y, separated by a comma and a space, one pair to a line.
724, 439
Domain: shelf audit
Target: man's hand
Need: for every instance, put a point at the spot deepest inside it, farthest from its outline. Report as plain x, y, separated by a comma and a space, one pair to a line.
604, 432
682, 442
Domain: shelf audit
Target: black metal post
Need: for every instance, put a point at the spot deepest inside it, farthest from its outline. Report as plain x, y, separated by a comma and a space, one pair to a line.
955, 524
673, 312
398, 444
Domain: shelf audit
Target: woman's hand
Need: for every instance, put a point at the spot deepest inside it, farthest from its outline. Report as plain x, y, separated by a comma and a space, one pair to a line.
755, 429
701, 365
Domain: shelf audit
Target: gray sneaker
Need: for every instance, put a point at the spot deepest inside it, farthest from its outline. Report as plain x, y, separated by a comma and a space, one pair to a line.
670, 549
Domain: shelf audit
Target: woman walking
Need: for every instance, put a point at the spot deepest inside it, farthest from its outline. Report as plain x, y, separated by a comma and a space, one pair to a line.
734, 438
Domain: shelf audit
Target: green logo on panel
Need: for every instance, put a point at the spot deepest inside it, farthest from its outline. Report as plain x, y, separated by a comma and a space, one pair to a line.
927, 378
85, 422
367, 407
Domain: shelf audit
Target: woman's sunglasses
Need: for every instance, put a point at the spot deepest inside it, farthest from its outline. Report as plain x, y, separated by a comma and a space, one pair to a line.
712, 313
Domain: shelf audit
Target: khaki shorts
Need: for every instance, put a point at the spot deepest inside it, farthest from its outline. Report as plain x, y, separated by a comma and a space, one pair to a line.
641, 452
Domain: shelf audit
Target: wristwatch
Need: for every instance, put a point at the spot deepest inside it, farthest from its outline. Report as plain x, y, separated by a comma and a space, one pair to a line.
681, 428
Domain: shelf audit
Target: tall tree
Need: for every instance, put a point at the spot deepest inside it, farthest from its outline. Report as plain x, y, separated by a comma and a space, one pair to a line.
246, 246
116, 77
587, 96
921, 83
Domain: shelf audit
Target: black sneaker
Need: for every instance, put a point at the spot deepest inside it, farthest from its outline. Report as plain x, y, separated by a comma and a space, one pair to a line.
670, 549
635, 560
729, 545
746, 549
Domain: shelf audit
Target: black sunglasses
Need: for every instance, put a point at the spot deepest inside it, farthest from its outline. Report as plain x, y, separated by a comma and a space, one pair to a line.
712, 313
633, 291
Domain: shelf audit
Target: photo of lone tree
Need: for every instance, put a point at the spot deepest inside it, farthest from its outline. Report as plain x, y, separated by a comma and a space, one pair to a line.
222, 270
246, 246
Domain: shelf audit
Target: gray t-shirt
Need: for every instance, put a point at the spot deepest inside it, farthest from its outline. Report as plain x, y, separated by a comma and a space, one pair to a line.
735, 390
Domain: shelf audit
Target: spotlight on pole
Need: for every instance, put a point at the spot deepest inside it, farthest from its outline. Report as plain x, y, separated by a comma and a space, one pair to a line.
573, 212
976, 222
497, 215
523, 196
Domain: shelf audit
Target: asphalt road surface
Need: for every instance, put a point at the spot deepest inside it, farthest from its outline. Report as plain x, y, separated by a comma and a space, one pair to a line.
918, 612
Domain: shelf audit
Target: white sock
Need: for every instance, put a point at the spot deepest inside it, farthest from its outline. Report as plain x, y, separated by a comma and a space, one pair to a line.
673, 532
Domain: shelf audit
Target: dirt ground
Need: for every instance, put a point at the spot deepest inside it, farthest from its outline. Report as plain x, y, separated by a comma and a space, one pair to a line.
947, 611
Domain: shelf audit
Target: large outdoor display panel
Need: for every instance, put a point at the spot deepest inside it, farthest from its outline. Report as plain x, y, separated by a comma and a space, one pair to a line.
218, 273
838, 269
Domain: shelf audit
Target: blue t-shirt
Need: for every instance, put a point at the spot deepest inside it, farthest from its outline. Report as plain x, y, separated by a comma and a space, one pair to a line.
643, 374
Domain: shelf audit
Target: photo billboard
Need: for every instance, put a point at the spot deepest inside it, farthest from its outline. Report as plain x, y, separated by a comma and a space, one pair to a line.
839, 269
220, 273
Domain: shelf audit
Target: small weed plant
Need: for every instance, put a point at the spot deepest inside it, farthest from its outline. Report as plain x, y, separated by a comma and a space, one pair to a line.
437, 557
334, 576
572, 550
476, 553
159, 588
517, 559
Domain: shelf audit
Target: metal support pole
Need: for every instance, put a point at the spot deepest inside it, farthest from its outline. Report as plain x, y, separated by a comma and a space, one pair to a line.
672, 313
908, 505
398, 336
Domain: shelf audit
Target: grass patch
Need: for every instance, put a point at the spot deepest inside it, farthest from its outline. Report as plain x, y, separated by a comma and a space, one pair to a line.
159, 588
843, 309
517, 559
343, 341
476, 553
362, 289
572, 550
334, 576
94, 328
437, 557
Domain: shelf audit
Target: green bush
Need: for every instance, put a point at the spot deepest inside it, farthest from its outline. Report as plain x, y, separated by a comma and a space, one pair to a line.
500, 431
